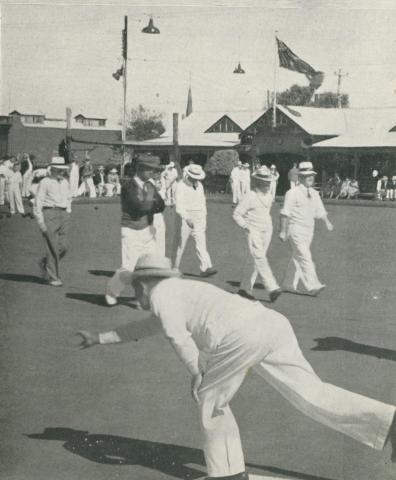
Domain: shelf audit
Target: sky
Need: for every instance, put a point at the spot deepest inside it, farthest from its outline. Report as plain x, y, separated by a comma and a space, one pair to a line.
55, 55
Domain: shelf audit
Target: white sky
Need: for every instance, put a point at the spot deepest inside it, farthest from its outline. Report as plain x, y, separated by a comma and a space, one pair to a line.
57, 55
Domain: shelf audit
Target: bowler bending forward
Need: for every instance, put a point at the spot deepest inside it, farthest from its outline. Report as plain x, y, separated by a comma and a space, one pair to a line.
237, 334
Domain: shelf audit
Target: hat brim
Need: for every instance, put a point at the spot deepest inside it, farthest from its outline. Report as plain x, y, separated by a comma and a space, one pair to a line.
61, 167
196, 176
262, 179
156, 273
150, 167
307, 173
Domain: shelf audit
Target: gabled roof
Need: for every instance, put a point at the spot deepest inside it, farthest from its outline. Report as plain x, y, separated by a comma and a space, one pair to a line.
15, 112
80, 115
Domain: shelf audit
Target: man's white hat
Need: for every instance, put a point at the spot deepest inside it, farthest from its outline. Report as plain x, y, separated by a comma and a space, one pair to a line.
375, 173
195, 172
273, 166
306, 168
246, 165
40, 172
239, 163
171, 164
154, 266
113, 170
263, 174
58, 162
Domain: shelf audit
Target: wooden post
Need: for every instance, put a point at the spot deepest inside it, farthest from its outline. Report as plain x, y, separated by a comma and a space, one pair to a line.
176, 147
68, 134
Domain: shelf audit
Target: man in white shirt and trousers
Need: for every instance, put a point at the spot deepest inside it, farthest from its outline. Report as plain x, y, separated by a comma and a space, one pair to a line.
52, 210
244, 179
191, 219
302, 206
235, 183
236, 335
253, 214
74, 175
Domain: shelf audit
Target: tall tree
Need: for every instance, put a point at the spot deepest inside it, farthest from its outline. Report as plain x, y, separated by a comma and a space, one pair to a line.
304, 96
144, 124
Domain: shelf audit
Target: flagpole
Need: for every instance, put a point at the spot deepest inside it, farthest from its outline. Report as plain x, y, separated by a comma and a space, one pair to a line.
124, 79
274, 102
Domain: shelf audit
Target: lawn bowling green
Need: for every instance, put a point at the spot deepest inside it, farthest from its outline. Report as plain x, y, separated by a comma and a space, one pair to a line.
132, 402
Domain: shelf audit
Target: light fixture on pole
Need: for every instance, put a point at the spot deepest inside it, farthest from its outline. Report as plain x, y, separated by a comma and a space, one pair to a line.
151, 28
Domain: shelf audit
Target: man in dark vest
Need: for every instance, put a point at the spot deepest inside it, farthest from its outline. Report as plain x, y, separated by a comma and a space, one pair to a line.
139, 202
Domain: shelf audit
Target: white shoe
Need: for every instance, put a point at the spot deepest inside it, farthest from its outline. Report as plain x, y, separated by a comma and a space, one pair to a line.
110, 301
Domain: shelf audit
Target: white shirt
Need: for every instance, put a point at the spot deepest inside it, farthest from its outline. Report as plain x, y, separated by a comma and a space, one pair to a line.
254, 211
14, 178
52, 193
193, 315
189, 199
300, 208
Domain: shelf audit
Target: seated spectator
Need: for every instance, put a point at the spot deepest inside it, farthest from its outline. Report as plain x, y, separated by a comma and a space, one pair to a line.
99, 180
353, 189
113, 185
344, 188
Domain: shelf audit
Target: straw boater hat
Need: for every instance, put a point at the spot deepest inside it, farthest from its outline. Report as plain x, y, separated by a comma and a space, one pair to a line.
58, 162
305, 169
263, 174
154, 266
195, 172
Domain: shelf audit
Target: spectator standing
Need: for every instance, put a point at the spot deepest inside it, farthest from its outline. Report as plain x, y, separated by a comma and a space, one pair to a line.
235, 182
170, 176
293, 176
390, 188
74, 176
99, 180
52, 211
4, 170
87, 185
27, 174
245, 180
274, 181
14, 182
113, 182
381, 187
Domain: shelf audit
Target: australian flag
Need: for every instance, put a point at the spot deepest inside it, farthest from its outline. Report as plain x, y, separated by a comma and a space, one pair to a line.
289, 60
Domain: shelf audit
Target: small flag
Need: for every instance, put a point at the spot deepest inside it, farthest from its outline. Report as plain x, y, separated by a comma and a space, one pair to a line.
289, 60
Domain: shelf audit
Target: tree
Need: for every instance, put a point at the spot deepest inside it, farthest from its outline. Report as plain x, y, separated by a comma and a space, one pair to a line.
144, 124
222, 162
305, 96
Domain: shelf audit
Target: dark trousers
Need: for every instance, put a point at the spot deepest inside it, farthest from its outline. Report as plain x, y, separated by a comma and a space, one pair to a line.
57, 222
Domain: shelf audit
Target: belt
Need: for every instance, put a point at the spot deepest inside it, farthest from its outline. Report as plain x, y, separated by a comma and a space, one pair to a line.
54, 208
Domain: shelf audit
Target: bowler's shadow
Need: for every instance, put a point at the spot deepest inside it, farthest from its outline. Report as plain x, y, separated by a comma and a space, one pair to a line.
102, 273
173, 460
97, 299
16, 277
234, 283
336, 343
115, 450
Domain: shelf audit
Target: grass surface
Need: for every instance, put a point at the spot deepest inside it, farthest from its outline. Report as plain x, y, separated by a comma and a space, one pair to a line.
125, 412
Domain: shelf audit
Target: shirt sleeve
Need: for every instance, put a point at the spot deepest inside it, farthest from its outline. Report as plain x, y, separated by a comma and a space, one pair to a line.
240, 212
320, 209
288, 204
69, 197
170, 311
39, 201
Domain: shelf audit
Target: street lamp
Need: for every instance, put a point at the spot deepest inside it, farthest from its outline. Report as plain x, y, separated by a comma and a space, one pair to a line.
151, 28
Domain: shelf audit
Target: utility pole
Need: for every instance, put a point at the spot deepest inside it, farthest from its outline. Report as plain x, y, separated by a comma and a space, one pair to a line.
68, 135
124, 80
339, 75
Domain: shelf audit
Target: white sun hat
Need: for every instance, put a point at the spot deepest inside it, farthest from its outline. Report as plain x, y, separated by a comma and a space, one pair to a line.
263, 173
195, 172
306, 168
154, 266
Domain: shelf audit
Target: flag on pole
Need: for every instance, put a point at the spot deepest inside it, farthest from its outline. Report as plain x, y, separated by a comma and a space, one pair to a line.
289, 60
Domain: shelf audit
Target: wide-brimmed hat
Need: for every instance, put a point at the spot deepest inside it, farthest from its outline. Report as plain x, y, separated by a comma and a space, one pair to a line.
195, 172
152, 266
263, 174
101, 167
152, 162
170, 165
306, 168
246, 165
113, 170
58, 162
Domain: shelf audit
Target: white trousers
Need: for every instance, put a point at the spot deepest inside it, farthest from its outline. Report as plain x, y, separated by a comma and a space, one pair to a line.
257, 262
134, 244
198, 232
27, 183
15, 199
301, 267
236, 193
87, 185
268, 344
160, 233
73, 181
2, 190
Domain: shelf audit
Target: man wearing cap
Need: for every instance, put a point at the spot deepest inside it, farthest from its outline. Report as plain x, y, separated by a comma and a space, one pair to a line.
52, 208
237, 335
140, 201
99, 180
253, 214
191, 219
302, 206
235, 177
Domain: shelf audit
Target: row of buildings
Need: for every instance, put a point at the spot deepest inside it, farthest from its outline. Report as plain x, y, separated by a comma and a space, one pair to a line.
352, 141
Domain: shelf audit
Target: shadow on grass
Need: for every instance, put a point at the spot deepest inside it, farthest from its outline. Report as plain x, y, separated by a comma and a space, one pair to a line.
99, 299
234, 283
102, 273
16, 277
172, 460
327, 344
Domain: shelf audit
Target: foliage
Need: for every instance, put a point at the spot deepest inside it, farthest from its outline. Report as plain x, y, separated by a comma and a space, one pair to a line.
144, 124
305, 96
222, 162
